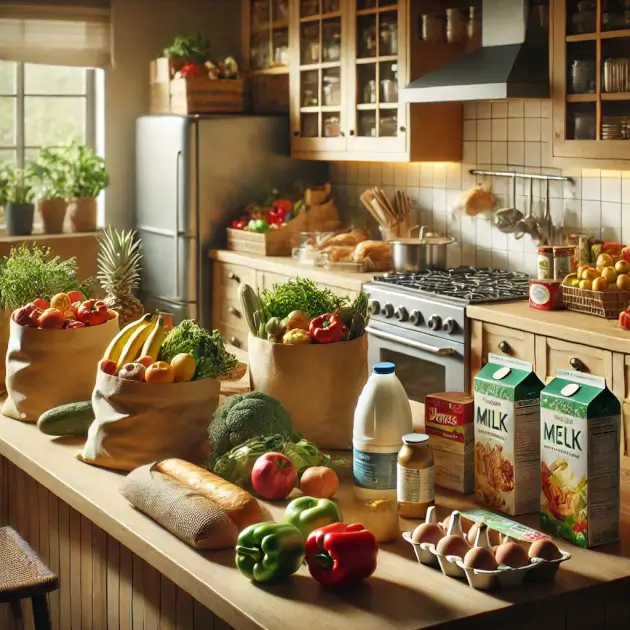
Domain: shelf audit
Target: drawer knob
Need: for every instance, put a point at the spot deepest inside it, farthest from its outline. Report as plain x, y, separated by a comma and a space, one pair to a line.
235, 342
233, 276
504, 346
578, 365
234, 311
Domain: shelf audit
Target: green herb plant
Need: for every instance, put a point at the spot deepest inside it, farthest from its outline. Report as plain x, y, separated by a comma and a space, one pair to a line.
87, 174
194, 48
16, 185
30, 272
51, 172
299, 295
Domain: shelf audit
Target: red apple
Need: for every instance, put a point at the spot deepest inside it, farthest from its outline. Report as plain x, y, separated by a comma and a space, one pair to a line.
108, 366
274, 476
41, 303
132, 372
51, 318
625, 254
75, 296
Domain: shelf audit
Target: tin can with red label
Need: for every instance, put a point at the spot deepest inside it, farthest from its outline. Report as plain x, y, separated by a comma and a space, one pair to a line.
545, 295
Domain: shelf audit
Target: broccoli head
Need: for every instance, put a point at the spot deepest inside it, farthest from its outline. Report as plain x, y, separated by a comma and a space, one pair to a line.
245, 416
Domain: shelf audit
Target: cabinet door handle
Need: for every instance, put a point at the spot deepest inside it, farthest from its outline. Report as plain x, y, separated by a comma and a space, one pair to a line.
577, 364
403, 129
351, 132
296, 134
233, 276
234, 311
235, 342
504, 346
342, 134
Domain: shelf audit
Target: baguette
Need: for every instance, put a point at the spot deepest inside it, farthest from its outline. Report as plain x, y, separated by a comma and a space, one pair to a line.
239, 505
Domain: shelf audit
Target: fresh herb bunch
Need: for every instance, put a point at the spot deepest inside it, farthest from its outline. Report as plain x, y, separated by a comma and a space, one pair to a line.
299, 295
86, 172
30, 272
190, 47
16, 185
208, 348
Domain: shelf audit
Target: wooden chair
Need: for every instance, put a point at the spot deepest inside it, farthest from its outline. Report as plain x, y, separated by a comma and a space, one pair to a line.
24, 576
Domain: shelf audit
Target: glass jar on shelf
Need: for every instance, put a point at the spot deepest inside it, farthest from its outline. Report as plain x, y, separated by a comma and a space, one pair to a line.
332, 126
369, 92
331, 89
583, 76
388, 36
584, 126
389, 124
332, 48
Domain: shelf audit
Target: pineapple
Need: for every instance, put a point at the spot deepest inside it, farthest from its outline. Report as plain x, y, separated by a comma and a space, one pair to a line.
119, 273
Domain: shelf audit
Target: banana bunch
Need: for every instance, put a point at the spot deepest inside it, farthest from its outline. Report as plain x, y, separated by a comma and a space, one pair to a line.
138, 339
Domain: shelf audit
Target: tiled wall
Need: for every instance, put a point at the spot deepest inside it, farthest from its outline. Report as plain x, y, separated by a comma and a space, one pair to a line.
512, 135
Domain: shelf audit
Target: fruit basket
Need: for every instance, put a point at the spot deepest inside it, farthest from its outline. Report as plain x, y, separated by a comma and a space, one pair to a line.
608, 304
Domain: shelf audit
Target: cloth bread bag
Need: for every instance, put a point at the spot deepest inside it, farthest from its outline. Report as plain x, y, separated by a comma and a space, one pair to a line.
138, 423
318, 384
52, 367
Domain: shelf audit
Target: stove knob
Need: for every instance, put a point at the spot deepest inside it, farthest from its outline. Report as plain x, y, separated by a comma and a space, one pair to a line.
388, 310
449, 326
376, 307
401, 314
415, 318
435, 322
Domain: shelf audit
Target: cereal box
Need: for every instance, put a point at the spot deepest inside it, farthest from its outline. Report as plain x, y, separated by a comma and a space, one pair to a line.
580, 423
507, 435
449, 422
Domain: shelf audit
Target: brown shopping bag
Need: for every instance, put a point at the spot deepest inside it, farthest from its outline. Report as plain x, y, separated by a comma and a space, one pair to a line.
51, 367
138, 423
318, 384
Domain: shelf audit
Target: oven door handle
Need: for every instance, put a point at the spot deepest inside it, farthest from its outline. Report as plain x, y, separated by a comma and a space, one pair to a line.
412, 344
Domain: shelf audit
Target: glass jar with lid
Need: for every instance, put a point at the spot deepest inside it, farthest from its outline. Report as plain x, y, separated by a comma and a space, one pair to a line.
415, 485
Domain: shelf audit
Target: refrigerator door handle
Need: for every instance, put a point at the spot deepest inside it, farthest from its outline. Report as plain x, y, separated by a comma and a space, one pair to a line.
177, 208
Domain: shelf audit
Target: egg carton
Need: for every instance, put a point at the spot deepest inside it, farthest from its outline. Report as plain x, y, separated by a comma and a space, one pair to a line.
539, 570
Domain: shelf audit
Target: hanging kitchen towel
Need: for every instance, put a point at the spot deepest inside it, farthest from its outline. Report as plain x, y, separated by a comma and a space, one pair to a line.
318, 384
138, 423
51, 367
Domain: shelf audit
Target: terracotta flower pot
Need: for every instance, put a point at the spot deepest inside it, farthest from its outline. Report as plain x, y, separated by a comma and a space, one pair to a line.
19, 218
53, 213
82, 214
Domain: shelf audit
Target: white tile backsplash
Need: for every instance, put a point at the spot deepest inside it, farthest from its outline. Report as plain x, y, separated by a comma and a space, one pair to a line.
507, 135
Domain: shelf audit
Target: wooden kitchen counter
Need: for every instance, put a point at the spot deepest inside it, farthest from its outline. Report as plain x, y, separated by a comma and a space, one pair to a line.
589, 592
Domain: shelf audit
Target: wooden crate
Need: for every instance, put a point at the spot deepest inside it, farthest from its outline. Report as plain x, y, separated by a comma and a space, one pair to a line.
607, 304
207, 96
269, 93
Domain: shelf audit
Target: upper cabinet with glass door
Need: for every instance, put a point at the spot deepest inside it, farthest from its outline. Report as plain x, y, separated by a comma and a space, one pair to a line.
355, 58
591, 79
266, 53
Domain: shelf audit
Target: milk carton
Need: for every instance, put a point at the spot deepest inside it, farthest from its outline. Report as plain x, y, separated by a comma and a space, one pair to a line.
507, 435
580, 423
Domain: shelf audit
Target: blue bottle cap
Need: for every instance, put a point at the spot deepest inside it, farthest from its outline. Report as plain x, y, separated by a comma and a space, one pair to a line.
384, 367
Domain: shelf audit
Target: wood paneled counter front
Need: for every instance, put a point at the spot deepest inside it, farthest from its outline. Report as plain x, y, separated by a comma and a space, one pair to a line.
120, 570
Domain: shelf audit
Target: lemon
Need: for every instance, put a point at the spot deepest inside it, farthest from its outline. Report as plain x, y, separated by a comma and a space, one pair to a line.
184, 366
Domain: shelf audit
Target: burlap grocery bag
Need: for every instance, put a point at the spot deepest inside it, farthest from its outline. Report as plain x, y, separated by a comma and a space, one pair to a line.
52, 367
318, 384
138, 423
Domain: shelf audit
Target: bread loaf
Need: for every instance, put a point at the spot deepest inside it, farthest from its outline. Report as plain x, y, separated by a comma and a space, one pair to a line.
339, 253
375, 250
239, 505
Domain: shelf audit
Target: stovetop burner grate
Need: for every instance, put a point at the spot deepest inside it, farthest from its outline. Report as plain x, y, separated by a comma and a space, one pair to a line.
463, 283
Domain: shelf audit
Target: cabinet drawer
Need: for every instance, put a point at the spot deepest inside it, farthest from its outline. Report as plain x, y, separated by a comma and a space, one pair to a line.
228, 311
235, 336
228, 277
267, 279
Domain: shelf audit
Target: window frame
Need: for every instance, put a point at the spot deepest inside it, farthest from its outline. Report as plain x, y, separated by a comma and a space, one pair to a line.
20, 95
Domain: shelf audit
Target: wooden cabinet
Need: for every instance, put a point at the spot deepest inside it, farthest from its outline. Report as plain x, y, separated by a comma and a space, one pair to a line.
266, 54
621, 389
350, 61
590, 79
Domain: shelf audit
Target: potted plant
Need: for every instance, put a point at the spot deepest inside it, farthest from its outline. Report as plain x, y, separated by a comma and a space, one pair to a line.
87, 178
50, 170
16, 195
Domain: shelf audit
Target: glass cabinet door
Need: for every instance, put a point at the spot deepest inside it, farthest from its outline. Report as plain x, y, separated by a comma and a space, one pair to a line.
378, 117
269, 35
318, 82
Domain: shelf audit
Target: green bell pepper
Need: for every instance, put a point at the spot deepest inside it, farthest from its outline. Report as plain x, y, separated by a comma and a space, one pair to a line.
269, 552
309, 514
258, 225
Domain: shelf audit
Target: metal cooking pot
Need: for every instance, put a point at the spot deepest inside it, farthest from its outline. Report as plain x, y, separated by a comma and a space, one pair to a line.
417, 254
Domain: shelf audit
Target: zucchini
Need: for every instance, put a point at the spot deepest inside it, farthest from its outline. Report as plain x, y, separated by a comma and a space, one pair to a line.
250, 303
67, 420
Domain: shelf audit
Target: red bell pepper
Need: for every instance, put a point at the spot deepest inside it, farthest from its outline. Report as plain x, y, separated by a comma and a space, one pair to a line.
340, 555
189, 70
624, 320
27, 315
279, 210
327, 328
239, 224
92, 312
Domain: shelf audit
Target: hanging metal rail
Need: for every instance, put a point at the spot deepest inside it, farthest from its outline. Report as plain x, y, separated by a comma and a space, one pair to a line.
558, 178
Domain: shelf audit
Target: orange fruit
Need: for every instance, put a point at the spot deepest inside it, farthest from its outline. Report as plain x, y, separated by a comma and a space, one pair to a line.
319, 482
146, 361
160, 372
61, 302
600, 284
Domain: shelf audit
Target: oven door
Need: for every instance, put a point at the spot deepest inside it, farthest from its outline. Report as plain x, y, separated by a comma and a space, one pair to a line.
425, 364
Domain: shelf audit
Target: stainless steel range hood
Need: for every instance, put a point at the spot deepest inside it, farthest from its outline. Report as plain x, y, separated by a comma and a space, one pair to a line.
513, 61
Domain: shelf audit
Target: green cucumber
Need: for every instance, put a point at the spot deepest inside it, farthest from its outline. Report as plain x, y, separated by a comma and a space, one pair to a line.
250, 303
67, 420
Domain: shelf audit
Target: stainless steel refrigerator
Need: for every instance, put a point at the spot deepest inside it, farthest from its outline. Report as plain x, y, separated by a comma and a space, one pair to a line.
194, 174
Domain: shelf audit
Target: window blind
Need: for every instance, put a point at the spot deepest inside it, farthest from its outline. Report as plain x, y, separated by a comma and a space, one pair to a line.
63, 32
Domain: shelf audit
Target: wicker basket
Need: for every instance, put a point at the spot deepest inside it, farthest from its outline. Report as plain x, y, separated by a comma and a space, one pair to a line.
606, 304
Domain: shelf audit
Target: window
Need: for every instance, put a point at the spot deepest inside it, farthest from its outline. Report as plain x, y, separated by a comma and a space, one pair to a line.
44, 105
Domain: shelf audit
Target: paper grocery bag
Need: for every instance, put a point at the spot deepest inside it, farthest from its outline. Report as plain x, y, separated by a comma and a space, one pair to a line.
138, 423
5, 319
318, 384
52, 367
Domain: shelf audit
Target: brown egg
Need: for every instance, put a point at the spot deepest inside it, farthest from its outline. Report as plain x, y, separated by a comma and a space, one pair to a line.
493, 535
453, 545
511, 554
544, 549
427, 533
466, 524
480, 558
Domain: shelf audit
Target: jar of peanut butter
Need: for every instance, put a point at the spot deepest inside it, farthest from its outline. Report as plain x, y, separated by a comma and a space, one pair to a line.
415, 488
